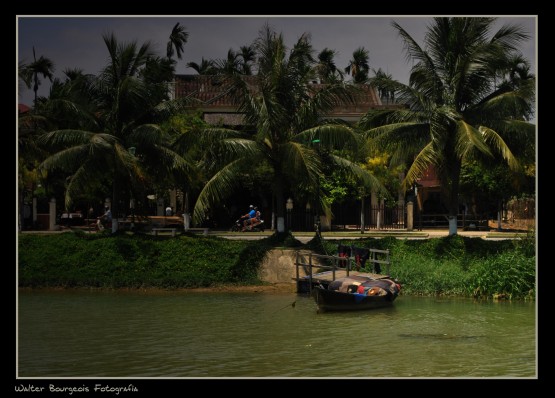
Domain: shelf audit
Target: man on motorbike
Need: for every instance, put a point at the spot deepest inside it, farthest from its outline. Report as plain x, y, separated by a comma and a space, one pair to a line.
257, 218
251, 215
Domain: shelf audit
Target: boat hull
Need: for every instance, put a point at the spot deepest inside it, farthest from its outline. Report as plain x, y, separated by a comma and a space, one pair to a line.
332, 300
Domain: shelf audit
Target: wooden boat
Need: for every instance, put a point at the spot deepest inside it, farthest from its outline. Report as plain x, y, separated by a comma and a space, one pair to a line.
356, 293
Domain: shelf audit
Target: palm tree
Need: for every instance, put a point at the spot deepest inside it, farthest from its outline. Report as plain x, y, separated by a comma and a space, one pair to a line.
229, 65
177, 40
124, 117
358, 66
247, 54
30, 73
284, 110
381, 81
455, 110
326, 69
206, 67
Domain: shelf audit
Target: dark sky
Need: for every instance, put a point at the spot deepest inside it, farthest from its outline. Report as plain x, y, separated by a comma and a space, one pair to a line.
76, 42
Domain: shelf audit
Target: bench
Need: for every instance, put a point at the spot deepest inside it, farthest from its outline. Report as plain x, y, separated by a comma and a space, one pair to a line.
156, 230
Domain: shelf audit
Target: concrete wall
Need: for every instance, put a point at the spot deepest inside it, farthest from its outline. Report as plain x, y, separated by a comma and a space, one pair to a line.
279, 266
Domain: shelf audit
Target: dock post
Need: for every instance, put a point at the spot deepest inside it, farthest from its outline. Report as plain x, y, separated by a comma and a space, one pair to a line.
310, 273
297, 270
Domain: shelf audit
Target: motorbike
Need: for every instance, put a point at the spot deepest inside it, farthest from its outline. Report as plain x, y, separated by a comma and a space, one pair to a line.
238, 226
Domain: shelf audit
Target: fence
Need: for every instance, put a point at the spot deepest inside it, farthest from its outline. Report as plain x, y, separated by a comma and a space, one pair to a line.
375, 217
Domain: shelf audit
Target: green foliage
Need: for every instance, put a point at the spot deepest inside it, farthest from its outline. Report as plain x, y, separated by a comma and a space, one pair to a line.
511, 274
379, 166
120, 260
453, 265
456, 113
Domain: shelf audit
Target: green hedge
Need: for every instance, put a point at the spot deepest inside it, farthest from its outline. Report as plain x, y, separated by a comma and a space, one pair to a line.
72, 260
456, 265
443, 266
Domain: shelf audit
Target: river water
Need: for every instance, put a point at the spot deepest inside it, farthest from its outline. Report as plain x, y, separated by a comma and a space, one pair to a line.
184, 334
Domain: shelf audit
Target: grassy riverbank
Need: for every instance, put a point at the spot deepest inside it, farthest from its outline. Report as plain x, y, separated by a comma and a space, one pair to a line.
443, 266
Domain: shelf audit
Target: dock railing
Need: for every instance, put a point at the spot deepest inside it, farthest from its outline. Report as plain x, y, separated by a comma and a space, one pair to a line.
333, 263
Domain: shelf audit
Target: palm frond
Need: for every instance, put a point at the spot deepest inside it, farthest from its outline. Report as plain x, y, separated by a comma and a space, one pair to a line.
69, 137
367, 180
302, 163
402, 140
495, 141
330, 136
469, 138
426, 157
217, 189
79, 182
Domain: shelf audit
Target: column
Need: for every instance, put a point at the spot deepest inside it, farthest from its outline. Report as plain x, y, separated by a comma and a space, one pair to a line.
410, 216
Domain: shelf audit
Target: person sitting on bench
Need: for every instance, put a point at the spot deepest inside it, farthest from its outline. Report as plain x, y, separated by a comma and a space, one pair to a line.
105, 219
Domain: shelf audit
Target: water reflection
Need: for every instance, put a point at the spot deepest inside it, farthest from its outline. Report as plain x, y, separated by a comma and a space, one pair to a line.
184, 334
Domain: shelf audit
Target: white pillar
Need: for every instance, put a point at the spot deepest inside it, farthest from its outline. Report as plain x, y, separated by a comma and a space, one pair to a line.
410, 216
373, 203
52, 214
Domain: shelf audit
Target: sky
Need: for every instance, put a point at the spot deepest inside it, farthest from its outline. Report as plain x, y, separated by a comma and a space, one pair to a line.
76, 42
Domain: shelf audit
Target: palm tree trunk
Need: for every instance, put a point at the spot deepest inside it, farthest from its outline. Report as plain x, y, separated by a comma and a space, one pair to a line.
280, 205
114, 205
362, 214
186, 215
453, 204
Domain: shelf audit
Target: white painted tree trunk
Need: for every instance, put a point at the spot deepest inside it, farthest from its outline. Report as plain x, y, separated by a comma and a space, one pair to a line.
186, 221
281, 224
114, 224
452, 225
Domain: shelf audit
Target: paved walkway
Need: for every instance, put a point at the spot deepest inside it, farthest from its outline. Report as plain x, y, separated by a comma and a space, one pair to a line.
337, 235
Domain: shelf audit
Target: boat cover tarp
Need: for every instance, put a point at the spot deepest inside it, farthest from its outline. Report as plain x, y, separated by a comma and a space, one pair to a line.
365, 286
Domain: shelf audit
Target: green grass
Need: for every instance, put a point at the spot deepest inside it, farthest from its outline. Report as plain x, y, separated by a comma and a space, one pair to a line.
456, 265
449, 266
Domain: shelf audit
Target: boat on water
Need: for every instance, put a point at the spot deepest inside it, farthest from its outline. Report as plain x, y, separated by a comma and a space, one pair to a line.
356, 293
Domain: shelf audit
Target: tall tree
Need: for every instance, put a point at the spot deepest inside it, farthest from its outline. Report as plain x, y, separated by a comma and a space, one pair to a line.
206, 67
30, 73
230, 65
177, 40
285, 111
456, 111
326, 69
381, 81
358, 66
247, 54
123, 138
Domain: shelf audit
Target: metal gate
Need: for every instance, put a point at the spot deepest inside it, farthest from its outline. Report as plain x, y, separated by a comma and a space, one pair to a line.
375, 217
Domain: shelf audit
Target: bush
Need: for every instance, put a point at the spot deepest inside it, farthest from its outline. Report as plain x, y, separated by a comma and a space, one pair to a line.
445, 266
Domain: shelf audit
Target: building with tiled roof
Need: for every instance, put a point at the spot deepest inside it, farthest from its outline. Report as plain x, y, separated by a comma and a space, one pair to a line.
219, 108
22, 108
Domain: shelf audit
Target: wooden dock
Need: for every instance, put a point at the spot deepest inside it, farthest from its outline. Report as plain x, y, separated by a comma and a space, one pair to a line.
335, 267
